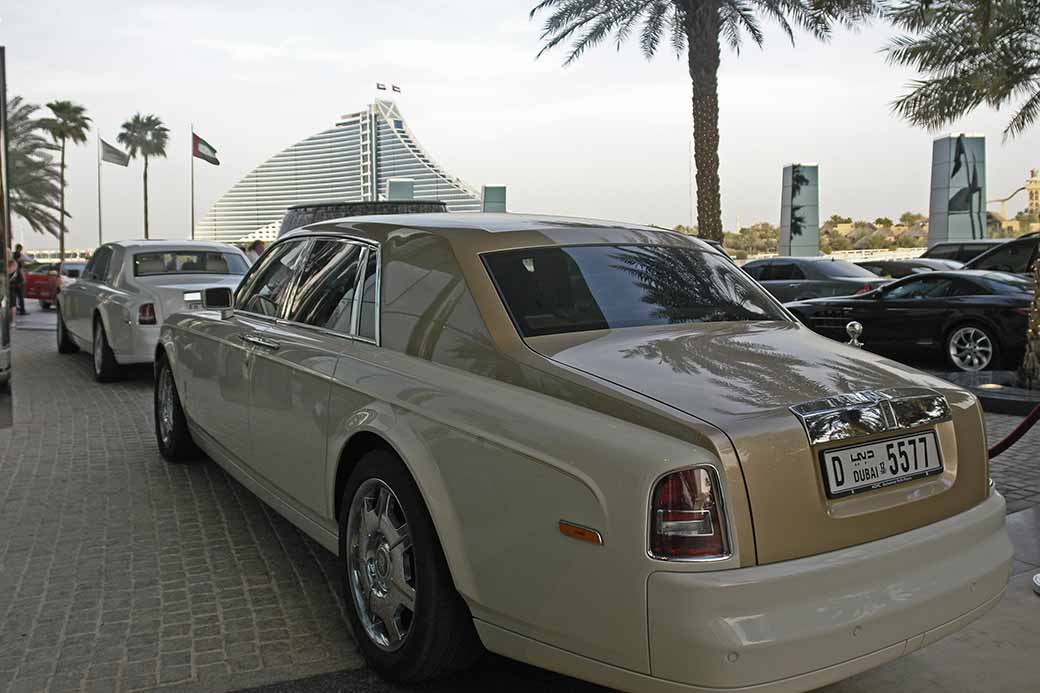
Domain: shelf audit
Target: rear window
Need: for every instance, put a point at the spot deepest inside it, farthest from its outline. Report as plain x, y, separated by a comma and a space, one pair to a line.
943, 251
835, 269
1008, 284
188, 262
577, 288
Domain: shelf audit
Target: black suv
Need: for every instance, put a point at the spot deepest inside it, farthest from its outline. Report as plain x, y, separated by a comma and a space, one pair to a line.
1014, 257
961, 251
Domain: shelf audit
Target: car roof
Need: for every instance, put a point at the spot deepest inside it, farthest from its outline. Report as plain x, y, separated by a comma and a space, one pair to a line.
971, 241
491, 231
160, 244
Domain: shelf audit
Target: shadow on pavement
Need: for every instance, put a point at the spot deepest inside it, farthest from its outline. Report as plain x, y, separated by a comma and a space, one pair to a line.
493, 673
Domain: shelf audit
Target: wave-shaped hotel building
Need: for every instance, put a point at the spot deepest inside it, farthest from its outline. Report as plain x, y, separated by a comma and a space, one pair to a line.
351, 162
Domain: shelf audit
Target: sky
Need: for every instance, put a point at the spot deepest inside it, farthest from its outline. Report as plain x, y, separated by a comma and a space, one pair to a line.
607, 137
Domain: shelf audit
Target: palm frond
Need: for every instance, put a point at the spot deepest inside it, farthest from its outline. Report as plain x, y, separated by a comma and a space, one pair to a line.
971, 52
34, 182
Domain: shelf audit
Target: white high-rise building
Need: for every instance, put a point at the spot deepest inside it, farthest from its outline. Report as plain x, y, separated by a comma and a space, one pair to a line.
350, 162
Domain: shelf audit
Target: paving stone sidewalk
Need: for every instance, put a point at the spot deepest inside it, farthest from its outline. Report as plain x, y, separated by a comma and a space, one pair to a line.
119, 571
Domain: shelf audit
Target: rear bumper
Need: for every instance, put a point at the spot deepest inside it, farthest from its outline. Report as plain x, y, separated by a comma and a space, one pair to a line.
137, 344
799, 624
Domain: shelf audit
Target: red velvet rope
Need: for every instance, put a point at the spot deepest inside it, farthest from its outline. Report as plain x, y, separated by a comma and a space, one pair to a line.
1020, 430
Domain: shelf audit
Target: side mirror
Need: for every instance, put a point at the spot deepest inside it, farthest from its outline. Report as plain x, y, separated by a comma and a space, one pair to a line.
217, 298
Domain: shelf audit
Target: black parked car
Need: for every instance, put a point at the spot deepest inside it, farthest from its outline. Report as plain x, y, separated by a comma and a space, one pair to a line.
800, 278
897, 269
961, 251
1016, 257
977, 319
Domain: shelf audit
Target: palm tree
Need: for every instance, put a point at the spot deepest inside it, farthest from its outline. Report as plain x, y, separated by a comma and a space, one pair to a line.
974, 53
34, 182
69, 123
147, 136
699, 27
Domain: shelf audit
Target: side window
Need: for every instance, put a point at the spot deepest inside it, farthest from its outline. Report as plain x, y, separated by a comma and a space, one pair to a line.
269, 286
369, 297
755, 271
785, 271
945, 252
1011, 257
924, 287
325, 294
970, 251
99, 264
962, 287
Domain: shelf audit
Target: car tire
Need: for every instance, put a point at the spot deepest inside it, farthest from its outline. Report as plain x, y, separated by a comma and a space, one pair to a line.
971, 347
171, 426
106, 368
65, 343
433, 636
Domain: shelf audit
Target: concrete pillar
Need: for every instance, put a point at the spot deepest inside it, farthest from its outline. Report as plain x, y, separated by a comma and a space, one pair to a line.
800, 211
957, 207
493, 198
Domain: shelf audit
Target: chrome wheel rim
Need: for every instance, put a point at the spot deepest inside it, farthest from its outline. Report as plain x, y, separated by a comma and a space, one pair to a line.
970, 349
381, 564
99, 356
165, 405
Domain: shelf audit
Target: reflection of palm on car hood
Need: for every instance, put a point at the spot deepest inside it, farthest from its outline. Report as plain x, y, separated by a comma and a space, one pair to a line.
742, 378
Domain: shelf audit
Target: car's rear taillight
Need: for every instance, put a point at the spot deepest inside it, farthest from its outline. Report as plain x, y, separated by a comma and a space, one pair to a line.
1024, 312
146, 314
686, 516
865, 288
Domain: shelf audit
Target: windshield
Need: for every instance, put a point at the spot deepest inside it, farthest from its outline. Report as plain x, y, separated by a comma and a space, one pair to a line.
841, 268
188, 262
576, 288
1008, 284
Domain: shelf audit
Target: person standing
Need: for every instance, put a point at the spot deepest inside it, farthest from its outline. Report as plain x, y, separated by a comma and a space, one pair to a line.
12, 270
254, 251
18, 282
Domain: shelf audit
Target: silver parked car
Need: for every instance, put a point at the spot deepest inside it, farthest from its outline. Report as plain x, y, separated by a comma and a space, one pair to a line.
802, 278
129, 287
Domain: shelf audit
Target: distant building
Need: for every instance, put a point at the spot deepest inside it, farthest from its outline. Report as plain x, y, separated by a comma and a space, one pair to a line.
351, 161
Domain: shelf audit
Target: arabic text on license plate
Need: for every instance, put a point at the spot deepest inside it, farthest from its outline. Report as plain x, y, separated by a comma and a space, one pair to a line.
880, 463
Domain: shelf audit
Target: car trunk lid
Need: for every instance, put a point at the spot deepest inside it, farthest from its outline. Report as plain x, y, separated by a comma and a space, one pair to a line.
744, 378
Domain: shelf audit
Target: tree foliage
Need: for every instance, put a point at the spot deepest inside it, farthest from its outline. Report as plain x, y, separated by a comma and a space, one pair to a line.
972, 52
34, 182
698, 29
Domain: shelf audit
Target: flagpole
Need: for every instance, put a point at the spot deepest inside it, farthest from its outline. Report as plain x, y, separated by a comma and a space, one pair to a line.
192, 155
98, 135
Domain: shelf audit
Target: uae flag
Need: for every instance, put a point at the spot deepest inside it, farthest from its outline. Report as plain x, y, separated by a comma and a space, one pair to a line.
202, 149
114, 155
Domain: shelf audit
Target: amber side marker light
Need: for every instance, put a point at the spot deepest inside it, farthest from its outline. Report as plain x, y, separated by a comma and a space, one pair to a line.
580, 533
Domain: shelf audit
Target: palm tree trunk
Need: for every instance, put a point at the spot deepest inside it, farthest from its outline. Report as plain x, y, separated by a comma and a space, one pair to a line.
61, 205
703, 26
146, 198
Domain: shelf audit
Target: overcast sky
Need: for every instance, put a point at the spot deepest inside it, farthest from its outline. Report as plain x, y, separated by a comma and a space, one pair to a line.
607, 137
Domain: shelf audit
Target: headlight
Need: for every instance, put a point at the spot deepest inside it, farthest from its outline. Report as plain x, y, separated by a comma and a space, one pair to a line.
686, 516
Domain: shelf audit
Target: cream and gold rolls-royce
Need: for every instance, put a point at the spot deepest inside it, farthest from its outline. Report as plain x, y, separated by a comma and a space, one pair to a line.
595, 447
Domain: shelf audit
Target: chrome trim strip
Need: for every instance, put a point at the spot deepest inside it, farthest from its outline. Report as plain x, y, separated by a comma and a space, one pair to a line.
867, 412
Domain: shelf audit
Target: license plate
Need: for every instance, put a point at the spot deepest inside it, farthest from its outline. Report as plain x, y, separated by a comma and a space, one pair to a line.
194, 306
859, 468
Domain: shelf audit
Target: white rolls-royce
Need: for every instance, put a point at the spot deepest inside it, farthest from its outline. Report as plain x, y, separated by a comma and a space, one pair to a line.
129, 287
599, 448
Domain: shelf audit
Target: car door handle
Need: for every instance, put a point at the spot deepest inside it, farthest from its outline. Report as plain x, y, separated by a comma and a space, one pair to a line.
260, 341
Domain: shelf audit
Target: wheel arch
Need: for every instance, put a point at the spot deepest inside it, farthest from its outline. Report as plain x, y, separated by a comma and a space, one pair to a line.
382, 430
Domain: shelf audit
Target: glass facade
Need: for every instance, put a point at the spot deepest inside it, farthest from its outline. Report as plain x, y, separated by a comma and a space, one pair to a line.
350, 162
